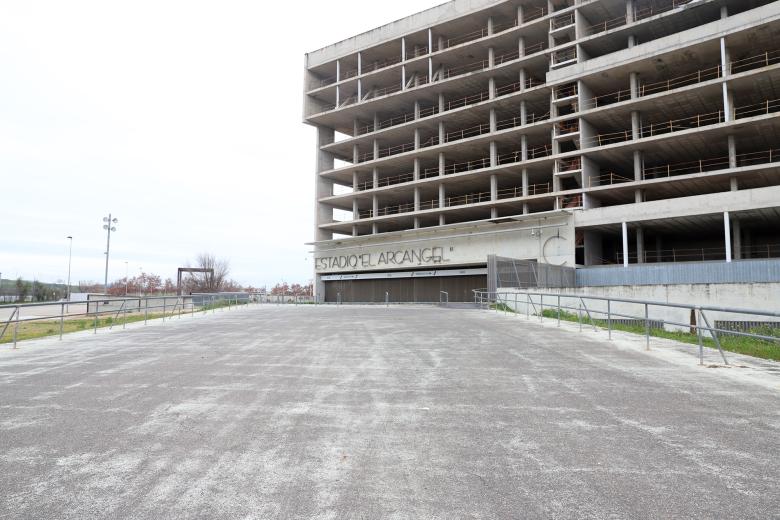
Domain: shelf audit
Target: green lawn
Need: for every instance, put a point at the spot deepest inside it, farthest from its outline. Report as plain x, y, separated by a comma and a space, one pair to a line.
44, 328
749, 346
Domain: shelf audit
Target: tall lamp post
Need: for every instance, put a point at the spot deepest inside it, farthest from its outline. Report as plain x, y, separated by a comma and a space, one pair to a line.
70, 257
109, 227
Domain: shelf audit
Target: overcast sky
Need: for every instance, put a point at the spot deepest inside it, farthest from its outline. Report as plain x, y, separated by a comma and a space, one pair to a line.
182, 118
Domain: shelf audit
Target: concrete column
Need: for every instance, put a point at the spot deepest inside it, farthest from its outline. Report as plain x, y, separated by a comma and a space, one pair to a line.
430, 41
640, 245
403, 77
492, 88
442, 164
442, 133
725, 61
636, 125
442, 103
375, 178
523, 113
355, 127
625, 244
375, 229
416, 138
416, 222
338, 71
523, 79
631, 40
417, 199
727, 231
355, 210
376, 149
638, 176
523, 147
525, 190
493, 120
521, 46
633, 79
490, 26
441, 42
491, 57
360, 72
734, 183
355, 154
637, 165
417, 109
442, 196
728, 100
724, 12
493, 154
403, 49
430, 70
375, 205
355, 181
442, 220
519, 14
338, 95
494, 195
416, 168
737, 238
629, 11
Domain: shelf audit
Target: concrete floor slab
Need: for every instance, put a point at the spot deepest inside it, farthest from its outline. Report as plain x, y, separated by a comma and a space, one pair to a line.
374, 412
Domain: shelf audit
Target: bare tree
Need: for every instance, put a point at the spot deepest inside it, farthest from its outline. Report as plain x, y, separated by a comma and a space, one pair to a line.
208, 283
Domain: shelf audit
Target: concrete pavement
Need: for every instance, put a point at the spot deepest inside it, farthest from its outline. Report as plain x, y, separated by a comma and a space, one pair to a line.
374, 412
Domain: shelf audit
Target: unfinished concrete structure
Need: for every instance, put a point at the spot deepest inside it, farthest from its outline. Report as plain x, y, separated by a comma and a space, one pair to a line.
570, 132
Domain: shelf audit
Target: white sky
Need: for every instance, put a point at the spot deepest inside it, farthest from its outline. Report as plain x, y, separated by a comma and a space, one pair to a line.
182, 118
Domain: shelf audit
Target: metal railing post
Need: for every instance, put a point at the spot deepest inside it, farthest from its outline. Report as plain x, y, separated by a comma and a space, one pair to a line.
647, 327
699, 337
96, 316
16, 325
165, 308
579, 315
609, 318
714, 334
146, 310
387, 298
528, 306
541, 307
559, 310
62, 319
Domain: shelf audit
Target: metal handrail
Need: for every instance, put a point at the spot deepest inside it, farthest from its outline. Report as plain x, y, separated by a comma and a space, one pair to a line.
124, 309
558, 302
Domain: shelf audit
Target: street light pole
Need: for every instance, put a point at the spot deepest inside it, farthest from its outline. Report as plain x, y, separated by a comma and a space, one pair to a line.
108, 226
70, 257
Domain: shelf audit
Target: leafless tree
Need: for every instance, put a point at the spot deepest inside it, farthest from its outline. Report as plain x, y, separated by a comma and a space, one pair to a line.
208, 283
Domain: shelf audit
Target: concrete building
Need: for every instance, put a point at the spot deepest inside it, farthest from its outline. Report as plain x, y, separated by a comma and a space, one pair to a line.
577, 133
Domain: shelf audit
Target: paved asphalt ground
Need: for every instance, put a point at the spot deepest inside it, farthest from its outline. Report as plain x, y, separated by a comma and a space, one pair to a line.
364, 413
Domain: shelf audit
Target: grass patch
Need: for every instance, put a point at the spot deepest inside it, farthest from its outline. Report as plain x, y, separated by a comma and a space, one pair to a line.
51, 327
759, 348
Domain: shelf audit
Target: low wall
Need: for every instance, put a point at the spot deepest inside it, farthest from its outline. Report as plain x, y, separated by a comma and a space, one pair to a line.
756, 296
